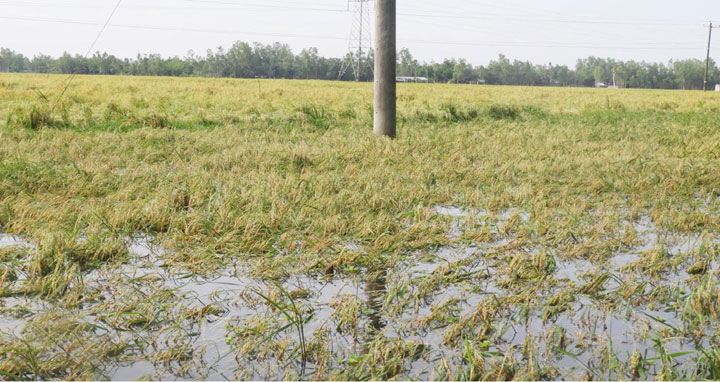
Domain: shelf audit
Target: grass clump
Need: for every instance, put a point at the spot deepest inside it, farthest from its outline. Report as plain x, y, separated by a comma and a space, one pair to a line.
501, 112
35, 118
317, 116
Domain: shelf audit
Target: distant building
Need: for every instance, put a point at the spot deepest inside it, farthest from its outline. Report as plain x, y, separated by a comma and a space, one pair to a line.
717, 88
601, 85
412, 79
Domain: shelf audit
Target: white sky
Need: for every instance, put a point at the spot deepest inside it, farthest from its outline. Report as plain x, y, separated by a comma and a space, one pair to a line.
542, 31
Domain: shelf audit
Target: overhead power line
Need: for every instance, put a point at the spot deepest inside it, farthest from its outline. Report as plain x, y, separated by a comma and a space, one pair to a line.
173, 29
97, 37
542, 20
270, 5
484, 16
633, 46
525, 13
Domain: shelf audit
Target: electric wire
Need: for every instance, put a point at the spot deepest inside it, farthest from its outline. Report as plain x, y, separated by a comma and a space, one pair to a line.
548, 44
97, 37
419, 16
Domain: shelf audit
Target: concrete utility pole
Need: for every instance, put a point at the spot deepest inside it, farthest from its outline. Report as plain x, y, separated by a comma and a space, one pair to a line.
385, 61
707, 60
360, 52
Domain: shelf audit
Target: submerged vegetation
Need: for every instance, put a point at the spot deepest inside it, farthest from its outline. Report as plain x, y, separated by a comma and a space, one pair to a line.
215, 228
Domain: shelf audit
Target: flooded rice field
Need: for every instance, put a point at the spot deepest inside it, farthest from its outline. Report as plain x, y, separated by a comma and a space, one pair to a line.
493, 308
227, 229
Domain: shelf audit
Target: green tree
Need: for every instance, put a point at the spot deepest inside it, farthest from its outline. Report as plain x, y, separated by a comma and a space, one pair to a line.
689, 74
407, 65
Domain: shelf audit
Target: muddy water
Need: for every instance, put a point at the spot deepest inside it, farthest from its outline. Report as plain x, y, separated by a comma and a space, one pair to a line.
16, 310
584, 327
7, 240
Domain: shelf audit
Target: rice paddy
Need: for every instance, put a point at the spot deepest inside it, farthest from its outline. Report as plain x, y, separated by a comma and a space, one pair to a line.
171, 228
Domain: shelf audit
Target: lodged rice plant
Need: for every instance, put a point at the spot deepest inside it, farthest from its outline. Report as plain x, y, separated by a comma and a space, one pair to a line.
245, 229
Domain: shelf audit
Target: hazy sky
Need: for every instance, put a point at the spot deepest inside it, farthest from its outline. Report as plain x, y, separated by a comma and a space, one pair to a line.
557, 31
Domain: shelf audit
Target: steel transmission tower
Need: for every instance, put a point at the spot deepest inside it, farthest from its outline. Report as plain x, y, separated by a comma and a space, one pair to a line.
360, 39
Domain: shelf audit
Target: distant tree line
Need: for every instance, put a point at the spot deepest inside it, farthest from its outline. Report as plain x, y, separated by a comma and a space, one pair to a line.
588, 72
244, 60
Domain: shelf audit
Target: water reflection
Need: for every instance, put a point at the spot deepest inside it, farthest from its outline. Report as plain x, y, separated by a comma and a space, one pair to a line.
376, 289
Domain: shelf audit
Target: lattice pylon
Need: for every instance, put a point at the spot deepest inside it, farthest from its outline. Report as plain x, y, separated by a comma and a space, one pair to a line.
360, 38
